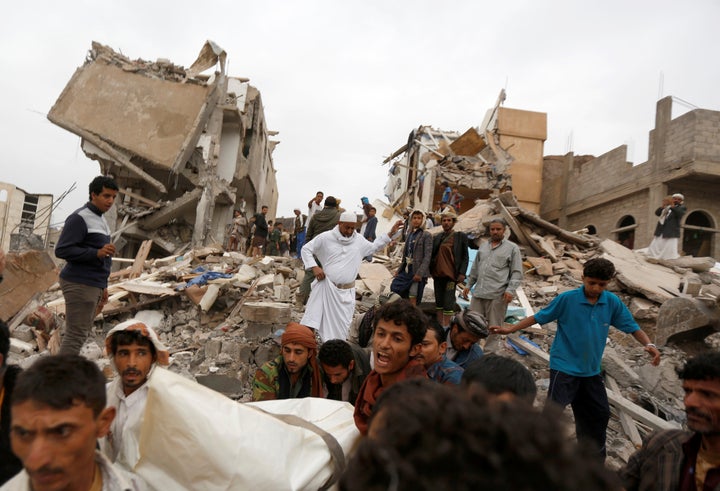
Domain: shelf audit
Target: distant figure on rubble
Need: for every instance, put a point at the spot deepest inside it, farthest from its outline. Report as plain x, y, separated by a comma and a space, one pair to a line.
455, 199
9, 463
238, 234
344, 368
298, 232
284, 242
314, 206
400, 328
259, 240
667, 231
58, 413
370, 228
340, 251
326, 219
684, 460
445, 199
494, 276
410, 279
584, 317
134, 350
85, 244
295, 373
273, 245
448, 265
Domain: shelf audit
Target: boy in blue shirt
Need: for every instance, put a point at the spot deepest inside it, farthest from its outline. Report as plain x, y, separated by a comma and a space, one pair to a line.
584, 317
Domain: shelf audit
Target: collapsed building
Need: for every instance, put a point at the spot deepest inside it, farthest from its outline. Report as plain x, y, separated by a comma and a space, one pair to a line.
615, 199
505, 152
24, 218
186, 149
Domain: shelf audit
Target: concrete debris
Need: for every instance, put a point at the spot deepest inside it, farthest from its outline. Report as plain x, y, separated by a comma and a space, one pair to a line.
220, 312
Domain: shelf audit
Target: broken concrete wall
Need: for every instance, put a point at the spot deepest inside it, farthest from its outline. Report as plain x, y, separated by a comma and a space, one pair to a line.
480, 163
184, 148
684, 157
524, 133
24, 218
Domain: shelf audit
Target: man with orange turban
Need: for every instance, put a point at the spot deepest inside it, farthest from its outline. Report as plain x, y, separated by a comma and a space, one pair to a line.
295, 373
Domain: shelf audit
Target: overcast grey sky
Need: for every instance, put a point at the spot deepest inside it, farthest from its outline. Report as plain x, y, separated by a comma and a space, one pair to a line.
344, 82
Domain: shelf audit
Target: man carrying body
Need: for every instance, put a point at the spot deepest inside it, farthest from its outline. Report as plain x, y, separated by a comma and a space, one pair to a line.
674, 460
399, 331
584, 317
667, 232
344, 367
259, 240
500, 378
495, 274
432, 354
58, 413
466, 329
340, 251
325, 220
448, 265
85, 244
314, 206
134, 349
295, 373
9, 463
362, 326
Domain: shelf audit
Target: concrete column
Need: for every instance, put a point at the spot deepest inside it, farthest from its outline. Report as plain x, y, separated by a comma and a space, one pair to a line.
564, 179
663, 115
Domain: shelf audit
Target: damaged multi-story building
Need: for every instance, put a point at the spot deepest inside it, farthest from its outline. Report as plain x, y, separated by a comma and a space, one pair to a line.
185, 148
24, 218
611, 197
505, 152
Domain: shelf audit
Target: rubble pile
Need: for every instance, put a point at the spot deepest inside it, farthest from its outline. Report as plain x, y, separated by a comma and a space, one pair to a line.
219, 312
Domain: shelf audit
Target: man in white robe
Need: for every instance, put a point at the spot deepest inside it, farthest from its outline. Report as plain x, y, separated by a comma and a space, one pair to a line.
331, 304
134, 350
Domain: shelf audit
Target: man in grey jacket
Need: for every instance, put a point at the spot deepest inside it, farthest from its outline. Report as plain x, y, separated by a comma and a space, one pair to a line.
495, 275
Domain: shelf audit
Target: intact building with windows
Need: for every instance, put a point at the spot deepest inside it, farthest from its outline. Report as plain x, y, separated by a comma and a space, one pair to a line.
611, 197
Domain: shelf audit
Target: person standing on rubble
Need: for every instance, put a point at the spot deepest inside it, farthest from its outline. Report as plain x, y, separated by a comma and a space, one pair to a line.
584, 317
410, 279
495, 275
685, 460
295, 373
370, 232
340, 251
314, 206
667, 232
134, 350
298, 232
85, 244
261, 232
448, 265
325, 220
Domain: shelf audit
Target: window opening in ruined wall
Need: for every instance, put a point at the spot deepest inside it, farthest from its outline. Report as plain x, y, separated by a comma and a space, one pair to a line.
698, 243
626, 237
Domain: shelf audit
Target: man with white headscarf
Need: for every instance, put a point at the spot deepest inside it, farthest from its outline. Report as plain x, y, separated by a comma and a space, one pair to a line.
331, 304
134, 350
667, 232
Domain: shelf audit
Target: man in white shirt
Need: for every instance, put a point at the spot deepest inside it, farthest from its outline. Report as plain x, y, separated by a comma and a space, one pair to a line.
134, 350
314, 206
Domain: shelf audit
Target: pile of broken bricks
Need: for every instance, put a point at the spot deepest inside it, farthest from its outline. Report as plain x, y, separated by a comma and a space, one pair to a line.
218, 312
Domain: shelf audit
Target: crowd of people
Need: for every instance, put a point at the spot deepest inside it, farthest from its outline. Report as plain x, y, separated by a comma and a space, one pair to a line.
434, 409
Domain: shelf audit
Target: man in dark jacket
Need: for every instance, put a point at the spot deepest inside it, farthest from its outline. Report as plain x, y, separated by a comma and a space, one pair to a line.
448, 265
85, 244
409, 282
9, 463
322, 221
681, 460
667, 231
